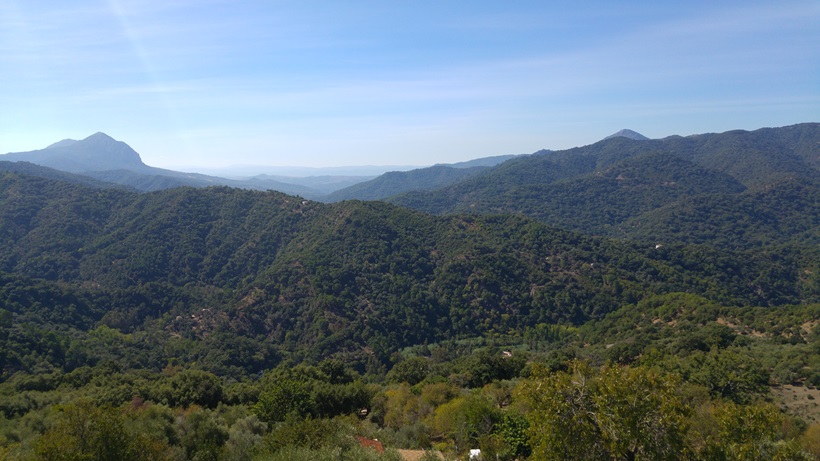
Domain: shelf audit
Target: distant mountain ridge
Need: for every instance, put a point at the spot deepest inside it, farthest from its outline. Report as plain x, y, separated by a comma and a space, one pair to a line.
485, 185
397, 182
103, 158
32, 169
607, 187
484, 161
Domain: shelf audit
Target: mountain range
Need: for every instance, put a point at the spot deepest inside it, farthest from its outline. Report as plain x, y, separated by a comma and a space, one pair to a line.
149, 320
278, 276
624, 186
551, 237
103, 158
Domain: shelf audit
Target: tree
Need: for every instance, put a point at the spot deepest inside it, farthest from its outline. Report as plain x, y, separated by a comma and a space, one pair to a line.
615, 413
243, 437
747, 433
86, 432
281, 398
202, 434
411, 371
728, 374
464, 420
195, 387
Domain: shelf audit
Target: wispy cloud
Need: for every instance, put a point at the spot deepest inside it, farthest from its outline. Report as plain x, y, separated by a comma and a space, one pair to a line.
426, 75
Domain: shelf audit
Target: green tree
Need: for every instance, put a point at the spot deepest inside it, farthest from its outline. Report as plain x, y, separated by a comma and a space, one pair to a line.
465, 420
195, 387
748, 433
243, 438
512, 428
728, 374
283, 397
202, 434
411, 371
86, 432
616, 413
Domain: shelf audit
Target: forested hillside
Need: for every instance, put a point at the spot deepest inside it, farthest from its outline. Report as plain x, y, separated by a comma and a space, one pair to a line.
621, 187
666, 299
313, 280
397, 182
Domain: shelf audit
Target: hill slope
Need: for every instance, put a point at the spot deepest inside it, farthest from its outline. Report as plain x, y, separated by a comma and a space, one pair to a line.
397, 182
419, 179
599, 188
103, 158
278, 273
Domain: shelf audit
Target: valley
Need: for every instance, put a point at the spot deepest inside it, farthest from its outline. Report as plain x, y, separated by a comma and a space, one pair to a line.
190, 318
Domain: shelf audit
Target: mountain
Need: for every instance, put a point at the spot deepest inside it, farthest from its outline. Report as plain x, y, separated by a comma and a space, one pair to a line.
98, 152
484, 161
105, 159
618, 186
296, 172
205, 323
318, 186
397, 182
290, 277
31, 169
629, 134
788, 212
159, 179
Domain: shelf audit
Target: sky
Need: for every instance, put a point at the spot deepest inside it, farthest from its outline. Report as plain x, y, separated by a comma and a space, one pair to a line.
213, 83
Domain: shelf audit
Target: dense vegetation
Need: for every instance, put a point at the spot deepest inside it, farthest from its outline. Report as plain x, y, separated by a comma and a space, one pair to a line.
673, 377
636, 188
397, 182
227, 324
292, 278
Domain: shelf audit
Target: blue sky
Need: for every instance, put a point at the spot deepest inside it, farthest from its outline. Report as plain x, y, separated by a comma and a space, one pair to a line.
212, 83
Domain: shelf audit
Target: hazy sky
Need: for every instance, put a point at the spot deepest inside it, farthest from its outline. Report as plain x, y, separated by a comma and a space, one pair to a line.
323, 83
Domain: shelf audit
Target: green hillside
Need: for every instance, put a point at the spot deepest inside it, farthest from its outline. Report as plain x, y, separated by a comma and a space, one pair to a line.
668, 296
311, 280
597, 202
621, 187
397, 182
783, 213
